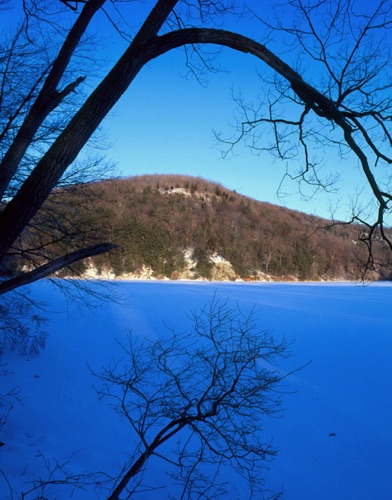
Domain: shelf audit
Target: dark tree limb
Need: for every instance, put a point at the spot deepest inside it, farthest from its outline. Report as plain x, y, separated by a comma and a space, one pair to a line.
145, 46
54, 266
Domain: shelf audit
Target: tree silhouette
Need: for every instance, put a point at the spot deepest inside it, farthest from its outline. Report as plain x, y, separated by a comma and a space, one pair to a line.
198, 401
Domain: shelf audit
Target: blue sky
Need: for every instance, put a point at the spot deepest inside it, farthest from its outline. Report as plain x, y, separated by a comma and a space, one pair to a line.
165, 121
164, 124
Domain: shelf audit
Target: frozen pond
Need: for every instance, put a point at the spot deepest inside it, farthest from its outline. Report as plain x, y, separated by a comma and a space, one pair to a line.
334, 437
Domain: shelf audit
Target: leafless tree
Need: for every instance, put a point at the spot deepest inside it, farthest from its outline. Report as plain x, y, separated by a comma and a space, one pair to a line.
51, 239
30, 119
343, 109
207, 392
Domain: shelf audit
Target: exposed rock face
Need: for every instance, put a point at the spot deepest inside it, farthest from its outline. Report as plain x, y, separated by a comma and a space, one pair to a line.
221, 270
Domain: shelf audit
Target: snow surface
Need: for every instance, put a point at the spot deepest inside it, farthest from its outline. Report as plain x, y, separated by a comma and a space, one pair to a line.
334, 437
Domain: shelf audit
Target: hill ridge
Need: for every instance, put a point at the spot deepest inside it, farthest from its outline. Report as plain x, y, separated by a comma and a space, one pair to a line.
183, 227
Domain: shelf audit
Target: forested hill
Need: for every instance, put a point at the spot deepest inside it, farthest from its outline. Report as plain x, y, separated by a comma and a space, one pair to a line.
181, 227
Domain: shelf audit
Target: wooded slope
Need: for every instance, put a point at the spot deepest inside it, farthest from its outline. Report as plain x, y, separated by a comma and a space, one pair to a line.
184, 227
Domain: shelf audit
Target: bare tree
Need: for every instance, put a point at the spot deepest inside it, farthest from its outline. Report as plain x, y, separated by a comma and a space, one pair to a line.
206, 391
52, 239
343, 110
33, 112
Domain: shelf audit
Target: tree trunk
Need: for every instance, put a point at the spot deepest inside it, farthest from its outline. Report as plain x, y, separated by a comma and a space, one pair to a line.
48, 98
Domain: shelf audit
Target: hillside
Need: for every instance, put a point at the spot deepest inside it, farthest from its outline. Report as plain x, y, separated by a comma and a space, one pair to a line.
181, 227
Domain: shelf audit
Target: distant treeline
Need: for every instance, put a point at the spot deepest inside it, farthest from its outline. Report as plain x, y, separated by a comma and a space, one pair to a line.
157, 220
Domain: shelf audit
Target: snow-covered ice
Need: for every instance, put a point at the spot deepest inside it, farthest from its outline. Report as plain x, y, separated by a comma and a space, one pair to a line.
334, 437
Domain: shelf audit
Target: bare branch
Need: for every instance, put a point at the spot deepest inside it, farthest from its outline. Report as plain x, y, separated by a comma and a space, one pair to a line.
52, 267
217, 384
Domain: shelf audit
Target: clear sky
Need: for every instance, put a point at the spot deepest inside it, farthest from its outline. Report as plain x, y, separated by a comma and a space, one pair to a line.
164, 123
